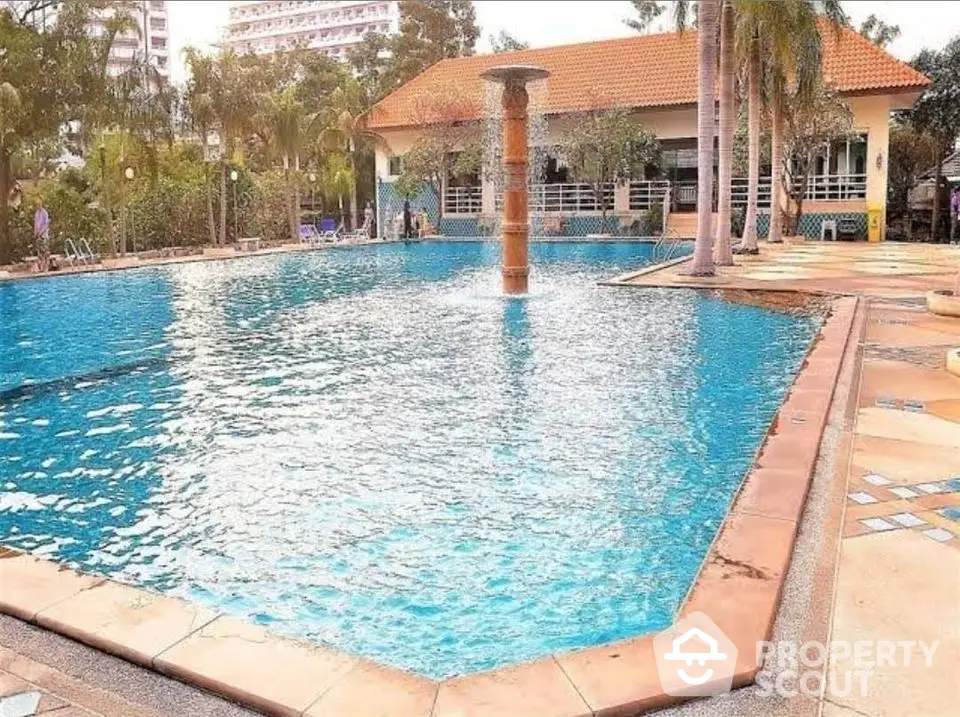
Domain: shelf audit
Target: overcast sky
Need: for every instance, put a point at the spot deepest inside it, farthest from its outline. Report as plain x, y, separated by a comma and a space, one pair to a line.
923, 23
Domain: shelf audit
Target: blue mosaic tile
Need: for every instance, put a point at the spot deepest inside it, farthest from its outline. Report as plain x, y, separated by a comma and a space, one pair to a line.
951, 513
810, 223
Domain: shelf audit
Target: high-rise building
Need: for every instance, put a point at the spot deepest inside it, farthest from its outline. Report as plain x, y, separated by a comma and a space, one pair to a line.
328, 26
150, 39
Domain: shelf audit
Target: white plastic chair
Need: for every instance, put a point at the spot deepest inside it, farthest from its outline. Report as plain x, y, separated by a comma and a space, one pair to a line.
828, 225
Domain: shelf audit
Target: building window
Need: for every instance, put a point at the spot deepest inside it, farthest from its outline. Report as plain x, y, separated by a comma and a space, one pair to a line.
159, 43
158, 23
395, 166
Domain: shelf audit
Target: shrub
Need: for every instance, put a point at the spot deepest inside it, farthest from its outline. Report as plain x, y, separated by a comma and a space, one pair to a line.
263, 209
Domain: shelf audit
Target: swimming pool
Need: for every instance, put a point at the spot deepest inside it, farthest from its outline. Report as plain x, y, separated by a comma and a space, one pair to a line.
371, 448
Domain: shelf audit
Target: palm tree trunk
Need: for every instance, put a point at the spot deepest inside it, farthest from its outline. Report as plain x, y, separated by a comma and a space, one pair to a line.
6, 248
749, 242
706, 98
353, 188
296, 201
775, 234
935, 217
722, 253
223, 203
211, 222
287, 199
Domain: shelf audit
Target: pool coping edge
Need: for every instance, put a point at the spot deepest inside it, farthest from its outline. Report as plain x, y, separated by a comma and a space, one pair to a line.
738, 584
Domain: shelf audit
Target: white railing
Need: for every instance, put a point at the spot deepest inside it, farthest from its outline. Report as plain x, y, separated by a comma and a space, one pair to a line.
462, 200
576, 198
836, 187
644, 195
739, 187
822, 187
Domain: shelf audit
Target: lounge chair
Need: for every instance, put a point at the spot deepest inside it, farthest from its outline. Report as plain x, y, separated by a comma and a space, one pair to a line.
329, 231
309, 235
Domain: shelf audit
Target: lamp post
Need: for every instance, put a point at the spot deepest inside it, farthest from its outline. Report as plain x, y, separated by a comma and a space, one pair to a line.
236, 222
105, 199
128, 175
313, 207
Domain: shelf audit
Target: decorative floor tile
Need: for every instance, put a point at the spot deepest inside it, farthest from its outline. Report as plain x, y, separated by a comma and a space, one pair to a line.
20, 705
931, 488
907, 520
902, 492
862, 498
878, 524
951, 513
874, 479
939, 534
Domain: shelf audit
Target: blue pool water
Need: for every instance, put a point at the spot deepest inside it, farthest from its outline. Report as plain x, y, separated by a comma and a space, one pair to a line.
371, 448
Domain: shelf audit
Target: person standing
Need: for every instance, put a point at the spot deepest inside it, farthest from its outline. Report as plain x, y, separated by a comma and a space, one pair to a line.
407, 221
41, 235
368, 220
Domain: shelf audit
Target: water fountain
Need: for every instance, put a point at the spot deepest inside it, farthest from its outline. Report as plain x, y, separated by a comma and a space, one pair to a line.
515, 267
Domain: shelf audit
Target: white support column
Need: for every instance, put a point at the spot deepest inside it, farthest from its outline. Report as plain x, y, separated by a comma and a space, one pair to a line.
488, 197
621, 198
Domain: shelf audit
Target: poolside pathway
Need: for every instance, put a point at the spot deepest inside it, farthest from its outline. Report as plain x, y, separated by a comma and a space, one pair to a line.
44, 674
887, 269
899, 568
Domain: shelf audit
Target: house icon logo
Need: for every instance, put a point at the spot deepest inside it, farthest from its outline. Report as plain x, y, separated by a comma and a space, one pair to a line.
695, 658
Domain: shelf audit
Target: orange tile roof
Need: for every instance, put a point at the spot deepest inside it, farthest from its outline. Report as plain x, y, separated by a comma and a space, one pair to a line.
643, 71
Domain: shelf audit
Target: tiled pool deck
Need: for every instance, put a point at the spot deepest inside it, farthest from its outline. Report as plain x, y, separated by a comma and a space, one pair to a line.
869, 588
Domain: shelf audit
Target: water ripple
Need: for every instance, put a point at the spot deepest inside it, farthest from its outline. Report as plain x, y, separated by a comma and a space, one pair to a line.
373, 449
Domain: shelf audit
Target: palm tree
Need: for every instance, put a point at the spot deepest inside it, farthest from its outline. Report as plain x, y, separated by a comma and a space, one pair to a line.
722, 253
337, 177
706, 98
781, 45
289, 125
201, 117
231, 100
346, 128
748, 52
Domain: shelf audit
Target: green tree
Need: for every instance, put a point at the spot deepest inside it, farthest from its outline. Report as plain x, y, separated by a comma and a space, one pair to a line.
812, 121
647, 12
430, 30
608, 146
447, 146
345, 129
937, 112
289, 125
879, 32
53, 70
505, 42
201, 118
911, 154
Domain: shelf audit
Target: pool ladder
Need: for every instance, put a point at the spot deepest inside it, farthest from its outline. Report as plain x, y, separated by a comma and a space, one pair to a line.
668, 243
80, 252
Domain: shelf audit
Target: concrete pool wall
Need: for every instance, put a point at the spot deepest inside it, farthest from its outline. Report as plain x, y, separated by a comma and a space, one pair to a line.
738, 586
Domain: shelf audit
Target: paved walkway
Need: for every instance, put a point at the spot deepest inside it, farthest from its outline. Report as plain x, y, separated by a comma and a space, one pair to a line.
44, 674
888, 270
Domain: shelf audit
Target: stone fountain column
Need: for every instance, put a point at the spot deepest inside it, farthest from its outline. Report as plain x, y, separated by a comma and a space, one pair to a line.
515, 266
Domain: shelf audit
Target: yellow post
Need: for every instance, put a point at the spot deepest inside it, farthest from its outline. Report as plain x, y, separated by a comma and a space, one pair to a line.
874, 222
